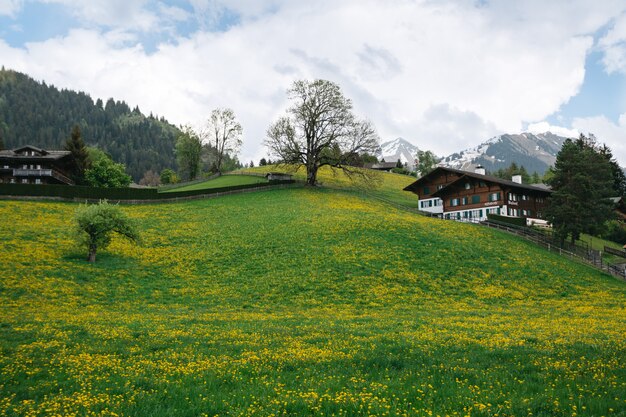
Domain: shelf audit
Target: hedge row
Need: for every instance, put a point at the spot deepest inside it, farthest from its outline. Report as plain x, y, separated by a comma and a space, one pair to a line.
115, 194
515, 221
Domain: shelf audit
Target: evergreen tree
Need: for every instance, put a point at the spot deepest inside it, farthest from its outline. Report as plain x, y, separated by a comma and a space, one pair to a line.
535, 179
80, 156
619, 179
583, 184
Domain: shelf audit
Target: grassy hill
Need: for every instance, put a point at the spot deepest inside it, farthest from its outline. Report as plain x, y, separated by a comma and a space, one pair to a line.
383, 185
301, 302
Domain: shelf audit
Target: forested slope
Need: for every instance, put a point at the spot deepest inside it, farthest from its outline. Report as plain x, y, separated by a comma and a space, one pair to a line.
41, 115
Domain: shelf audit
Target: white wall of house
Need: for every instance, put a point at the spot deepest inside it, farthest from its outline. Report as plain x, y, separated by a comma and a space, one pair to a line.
475, 214
431, 205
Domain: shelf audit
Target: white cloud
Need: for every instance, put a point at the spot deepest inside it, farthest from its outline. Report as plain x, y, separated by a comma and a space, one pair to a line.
445, 75
10, 7
614, 46
606, 131
543, 127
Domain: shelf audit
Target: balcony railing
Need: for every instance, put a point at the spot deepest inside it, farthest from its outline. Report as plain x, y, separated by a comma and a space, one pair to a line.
42, 173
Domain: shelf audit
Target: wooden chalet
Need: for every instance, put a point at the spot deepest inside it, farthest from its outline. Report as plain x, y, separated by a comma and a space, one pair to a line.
32, 165
462, 195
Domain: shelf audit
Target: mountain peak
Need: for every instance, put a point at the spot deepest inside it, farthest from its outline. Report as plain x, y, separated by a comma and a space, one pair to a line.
534, 151
399, 148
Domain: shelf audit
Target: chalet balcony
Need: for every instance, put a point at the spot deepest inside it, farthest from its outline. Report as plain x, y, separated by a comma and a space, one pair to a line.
42, 173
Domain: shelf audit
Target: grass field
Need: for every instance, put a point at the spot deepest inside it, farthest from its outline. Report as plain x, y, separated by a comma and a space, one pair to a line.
222, 181
300, 302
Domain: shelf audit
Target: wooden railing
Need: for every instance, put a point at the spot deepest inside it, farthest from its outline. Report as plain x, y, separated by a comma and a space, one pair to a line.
42, 173
621, 253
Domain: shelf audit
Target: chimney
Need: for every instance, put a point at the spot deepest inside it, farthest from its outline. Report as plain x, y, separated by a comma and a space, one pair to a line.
517, 179
480, 170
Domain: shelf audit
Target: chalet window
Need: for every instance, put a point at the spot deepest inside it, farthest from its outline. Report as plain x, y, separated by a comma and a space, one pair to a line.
482, 184
24, 166
454, 202
440, 186
37, 180
475, 199
426, 190
24, 180
12, 180
525, 197
430, 203
494, 196
464, 201
512, 197
467, 186
38, 166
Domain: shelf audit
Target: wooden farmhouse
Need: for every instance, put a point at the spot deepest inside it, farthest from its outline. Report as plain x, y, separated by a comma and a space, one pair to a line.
470, 196
32, 165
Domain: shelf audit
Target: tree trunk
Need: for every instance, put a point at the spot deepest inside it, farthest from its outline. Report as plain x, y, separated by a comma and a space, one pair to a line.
311, 176
92, 254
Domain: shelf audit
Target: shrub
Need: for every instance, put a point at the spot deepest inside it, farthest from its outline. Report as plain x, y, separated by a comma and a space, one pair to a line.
96, 222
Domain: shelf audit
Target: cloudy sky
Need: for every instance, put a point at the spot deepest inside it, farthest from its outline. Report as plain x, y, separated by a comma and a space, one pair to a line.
443, 74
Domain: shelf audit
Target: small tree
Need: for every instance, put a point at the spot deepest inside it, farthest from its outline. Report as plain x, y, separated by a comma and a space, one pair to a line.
95, 224
223, 132
79, 156
106, 173
150, 178
168, 176
188, 153
426, 162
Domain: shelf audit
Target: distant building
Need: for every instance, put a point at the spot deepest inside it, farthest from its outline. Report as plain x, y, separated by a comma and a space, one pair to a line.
381, 166
470, 196
32, 165
278, 176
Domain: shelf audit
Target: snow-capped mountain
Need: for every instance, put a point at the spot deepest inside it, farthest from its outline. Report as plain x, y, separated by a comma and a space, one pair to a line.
400, 149
536, 152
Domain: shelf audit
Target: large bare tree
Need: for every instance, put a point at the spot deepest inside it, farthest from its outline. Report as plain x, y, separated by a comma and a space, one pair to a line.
223, 133
320, 129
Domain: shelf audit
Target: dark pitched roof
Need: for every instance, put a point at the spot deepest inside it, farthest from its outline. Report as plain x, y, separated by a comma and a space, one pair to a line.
468, 174
496, 180
32, 148
42, 153
413, 186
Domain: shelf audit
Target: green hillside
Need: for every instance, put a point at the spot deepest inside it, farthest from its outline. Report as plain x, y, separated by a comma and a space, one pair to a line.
222, 181
301, 302
38, 114
382, 185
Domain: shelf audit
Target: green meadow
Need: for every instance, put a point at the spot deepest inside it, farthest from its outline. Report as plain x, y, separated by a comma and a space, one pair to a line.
300, 302
222, 181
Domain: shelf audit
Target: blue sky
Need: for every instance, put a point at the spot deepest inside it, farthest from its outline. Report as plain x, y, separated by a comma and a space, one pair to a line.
445, 75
